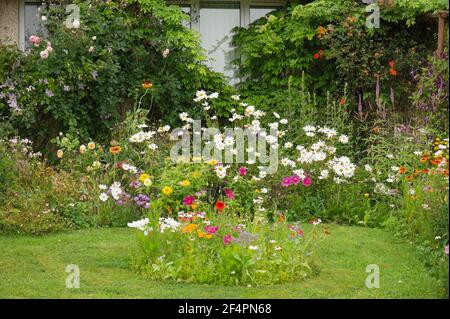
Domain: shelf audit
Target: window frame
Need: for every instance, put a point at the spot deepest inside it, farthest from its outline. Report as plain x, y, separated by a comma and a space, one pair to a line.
22, 45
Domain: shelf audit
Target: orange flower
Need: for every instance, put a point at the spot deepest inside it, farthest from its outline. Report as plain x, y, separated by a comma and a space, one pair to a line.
392, 72
147, 85
115, 149
201, 234
409, 178
220, 205
342, 101
402, 170
436, 161
189, 228
424, 159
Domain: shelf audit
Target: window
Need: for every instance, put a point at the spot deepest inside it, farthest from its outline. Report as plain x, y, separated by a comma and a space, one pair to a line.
257, 12
217, 18
30, 23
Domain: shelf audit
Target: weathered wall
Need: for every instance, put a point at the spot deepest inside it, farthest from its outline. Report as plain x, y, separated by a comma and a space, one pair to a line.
9, 21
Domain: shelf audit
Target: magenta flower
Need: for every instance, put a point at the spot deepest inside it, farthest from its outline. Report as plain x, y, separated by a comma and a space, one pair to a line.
307, 181
229, 193
189, 200
286, 181
211, 229
227, 239
242, 171
295, 179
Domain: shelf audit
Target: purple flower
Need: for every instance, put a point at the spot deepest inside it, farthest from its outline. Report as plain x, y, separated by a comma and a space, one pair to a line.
295, 179
49, 93
142, 200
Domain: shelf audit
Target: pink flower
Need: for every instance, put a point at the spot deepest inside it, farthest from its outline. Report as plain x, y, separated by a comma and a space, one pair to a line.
286, 181
227, 239
229, 193
295, 179
189, 200
211, 229
242, 171
307, 181
446, 250
35, 40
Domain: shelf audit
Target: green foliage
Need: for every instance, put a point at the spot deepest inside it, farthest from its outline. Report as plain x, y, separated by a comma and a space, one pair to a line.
328, 44
94, 73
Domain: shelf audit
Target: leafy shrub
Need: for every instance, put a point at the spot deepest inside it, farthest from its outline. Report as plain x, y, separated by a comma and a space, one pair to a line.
36, 198
83, 79
329, 42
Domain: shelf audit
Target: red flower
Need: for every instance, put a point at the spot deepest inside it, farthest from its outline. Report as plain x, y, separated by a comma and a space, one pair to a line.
316, 56
392, 64
220, 205
393, 72
342, 101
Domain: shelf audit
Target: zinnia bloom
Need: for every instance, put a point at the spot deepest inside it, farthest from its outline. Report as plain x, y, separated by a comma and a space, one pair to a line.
185, 183
189, 228
242, 171
115, 149
211, 229
189, 200
227, 239
220, 205
147, 85
341, 101
229, 193
402, 170
167, 190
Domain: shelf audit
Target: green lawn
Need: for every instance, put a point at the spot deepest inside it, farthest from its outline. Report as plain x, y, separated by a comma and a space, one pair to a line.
34, 267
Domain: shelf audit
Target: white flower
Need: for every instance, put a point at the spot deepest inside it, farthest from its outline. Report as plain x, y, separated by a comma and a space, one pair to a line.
390, 156
368, 168
235, 97
103, 197
142, 225
44, 54
276, 115
412, 192
343, 139
184, 116
152, 146
200, 95
44, 18
214, 95
253, 247
324, 174
75, 24
288, 145
273, 241
102, 186
283, 121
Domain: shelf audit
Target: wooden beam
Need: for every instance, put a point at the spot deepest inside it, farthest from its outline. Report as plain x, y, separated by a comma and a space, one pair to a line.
442, 15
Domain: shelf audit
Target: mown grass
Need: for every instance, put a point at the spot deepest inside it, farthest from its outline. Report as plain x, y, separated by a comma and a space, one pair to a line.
34, 267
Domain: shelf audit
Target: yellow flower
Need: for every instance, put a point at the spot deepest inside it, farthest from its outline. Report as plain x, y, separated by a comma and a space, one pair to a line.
91, 145
143, 177
212, 161
60, 154
196, 174
203, 234
82, 149
366, 195
189, 228
194, 206
167, 190
185, 183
